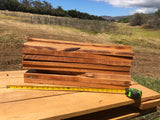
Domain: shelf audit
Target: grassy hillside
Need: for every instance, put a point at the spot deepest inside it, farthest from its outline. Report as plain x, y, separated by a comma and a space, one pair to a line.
86, 25
15, 27
145, 40
115, 33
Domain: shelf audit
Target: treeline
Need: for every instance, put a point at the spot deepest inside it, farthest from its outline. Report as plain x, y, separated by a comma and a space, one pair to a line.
45, 8
145, 20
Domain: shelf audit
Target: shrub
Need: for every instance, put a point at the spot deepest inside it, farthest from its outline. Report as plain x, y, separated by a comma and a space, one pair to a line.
138, 19
154, 23
124, 20
157, 13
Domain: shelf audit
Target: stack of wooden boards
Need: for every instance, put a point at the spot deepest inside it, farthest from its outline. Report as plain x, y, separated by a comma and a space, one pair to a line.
77, 64
52, 105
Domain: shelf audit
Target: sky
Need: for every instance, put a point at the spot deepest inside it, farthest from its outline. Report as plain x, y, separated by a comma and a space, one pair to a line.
108, 7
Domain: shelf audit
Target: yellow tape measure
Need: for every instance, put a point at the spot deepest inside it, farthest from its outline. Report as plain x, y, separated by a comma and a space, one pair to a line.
81, 89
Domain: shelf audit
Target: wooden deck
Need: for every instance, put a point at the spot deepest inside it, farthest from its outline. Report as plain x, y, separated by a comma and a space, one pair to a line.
29, 104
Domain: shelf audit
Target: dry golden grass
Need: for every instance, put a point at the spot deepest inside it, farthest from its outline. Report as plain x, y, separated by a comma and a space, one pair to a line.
24, 30
140, 39
85, 25
14, 32
144, 40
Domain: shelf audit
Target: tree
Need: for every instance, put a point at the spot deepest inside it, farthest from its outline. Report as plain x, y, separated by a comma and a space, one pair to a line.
154, 21
157, 13
2, 5
36, 6
138, 19
10, 4
72, 13
47, 5
124, 20
60, 12
27, 3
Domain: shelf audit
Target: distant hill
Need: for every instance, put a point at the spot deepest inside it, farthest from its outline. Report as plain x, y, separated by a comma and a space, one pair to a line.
43, 8
115, 18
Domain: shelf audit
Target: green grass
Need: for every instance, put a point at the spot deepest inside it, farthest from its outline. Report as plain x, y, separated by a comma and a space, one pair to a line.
148, 82
2, 29
137, 37
9, 38
150, 116
153, 84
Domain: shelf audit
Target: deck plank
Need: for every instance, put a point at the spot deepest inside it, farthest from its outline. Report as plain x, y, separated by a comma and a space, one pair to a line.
59, 106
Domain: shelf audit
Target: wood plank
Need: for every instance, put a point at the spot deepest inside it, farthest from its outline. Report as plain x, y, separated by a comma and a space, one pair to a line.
55, 72
77, 79
64, 47
117, 47
83, 49
126, 117
11, 74
56, 107
74, 70
38, 50
71, 83
60, 110
149, 104
75, 60
147, 94
120, 113
17, 78
11, 96
88, 75
75, 65
107, 76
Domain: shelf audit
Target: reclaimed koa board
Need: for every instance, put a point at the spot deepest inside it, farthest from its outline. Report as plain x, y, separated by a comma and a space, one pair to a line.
77, 64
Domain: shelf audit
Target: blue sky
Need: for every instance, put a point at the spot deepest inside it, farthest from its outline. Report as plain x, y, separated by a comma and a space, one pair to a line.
108, 7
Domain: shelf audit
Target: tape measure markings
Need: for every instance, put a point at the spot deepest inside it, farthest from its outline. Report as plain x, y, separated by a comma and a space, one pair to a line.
65, 88
132, 93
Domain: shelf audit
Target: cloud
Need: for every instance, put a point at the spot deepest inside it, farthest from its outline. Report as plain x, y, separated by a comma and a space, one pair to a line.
144, 6
144, 10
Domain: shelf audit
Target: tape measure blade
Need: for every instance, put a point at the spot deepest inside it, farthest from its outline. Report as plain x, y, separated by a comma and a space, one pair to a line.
66, 89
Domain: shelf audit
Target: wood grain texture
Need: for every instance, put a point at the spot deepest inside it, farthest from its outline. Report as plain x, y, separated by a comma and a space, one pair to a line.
120, 113
17, 78
107, 76
126, 117
39, 50
74, 70
76, 79
149, 104
71, 83
75, 65
55, 106
93, 50
71, 57
75, 60
88, 75
117, 47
